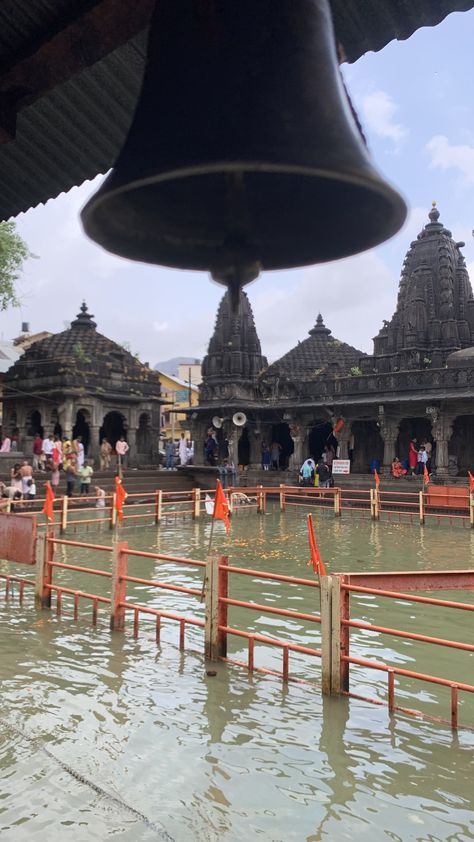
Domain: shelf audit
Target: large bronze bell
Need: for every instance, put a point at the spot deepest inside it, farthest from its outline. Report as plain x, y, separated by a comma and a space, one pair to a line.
244, 153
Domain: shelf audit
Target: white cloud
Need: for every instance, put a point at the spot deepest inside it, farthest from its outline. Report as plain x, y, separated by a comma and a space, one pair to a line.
378, 111
160, 327
446, 156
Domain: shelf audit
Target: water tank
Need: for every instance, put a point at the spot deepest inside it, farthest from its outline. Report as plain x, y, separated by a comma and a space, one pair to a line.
25, 327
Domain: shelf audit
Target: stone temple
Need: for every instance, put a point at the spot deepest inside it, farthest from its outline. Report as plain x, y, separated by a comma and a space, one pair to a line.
78, 382
419, 382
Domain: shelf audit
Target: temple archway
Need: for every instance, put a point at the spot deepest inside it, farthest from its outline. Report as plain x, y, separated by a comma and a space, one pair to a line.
461, 445
55, 425
412, 428
320, 435
243, 448
281, 435
81, 428
368, 446
113, 427
35, 426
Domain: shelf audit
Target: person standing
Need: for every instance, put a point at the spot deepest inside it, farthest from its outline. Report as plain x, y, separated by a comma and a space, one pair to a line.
79, 451
210, 447
48, 444
6, 445
37, 451
265, 457
71, 473
105, 454
85, 472
121, 449
169, 455
275, 456
52, 467
413, 456
183, 450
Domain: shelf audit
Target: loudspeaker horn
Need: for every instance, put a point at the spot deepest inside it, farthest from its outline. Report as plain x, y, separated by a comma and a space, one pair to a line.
217, 422
239, 419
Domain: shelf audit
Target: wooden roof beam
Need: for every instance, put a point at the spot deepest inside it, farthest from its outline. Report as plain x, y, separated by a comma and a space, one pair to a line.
82, 43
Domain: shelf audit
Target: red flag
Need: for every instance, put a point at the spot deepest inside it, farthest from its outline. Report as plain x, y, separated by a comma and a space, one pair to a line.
376, 478
426, 476
471, 482
221, 506
120, 497
48, 509
315, 560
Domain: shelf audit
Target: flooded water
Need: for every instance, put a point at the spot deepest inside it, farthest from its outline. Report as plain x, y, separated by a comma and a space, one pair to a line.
106, 737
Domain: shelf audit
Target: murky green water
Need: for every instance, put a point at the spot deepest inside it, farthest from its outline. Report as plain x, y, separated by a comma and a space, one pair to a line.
233, 757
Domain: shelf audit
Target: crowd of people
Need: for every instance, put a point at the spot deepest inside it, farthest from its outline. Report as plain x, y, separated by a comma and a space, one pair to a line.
319, 473
181, 452
419, 457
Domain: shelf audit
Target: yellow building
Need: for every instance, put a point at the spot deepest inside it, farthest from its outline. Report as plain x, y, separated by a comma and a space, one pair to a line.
178, 394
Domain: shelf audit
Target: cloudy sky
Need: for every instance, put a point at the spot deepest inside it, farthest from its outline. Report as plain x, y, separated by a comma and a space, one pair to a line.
415, 102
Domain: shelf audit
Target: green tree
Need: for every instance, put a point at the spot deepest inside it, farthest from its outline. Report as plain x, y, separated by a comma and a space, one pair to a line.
13, 253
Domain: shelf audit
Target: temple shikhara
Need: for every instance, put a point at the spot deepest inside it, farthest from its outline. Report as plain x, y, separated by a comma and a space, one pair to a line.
419, 382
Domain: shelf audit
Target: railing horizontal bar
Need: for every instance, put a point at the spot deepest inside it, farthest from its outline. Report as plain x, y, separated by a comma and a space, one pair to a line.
423, 638
158, 613
283, 612
74, 591
82, 544
411, 597
432, 679
271, 641
277, 577
163, 585
78, 569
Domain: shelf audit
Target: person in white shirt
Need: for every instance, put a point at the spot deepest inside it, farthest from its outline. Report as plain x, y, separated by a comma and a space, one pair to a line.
121, 449
183, 450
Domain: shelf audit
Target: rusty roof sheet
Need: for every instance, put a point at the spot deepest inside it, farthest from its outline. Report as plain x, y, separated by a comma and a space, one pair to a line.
75, 131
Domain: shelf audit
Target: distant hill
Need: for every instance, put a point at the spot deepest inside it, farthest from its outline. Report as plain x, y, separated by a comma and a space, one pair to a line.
171, 366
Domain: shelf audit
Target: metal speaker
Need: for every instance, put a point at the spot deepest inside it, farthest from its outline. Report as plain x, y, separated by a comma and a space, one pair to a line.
217, 422
239, 419
244, 152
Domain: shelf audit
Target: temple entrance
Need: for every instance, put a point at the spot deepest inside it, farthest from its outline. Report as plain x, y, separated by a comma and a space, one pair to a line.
412, 428
35, 425
144, 435
243, 448
368, 446
461, 445
320, 435
281, 435
81, 428
113, 427
55, 425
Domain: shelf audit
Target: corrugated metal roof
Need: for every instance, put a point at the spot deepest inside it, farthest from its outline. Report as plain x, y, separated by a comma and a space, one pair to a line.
75, 132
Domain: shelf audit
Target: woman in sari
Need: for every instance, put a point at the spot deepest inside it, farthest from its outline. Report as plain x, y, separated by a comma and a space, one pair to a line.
397, 469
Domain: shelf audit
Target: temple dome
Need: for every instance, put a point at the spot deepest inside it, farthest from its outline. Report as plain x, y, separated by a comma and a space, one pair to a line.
313, 356
81, 356
234, 351
461, 359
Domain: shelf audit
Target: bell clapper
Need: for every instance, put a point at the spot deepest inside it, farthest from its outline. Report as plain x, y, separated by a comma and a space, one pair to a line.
234, 278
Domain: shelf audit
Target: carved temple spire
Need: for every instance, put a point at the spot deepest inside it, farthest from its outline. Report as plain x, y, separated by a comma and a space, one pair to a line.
234, 356
435, 307
84, 318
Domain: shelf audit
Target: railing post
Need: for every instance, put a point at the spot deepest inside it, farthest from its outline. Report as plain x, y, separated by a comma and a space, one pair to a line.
119, 586
44, 572
337, 502
64, 505
196, 502
8, 507
113, 512
422, 508
340, 599
211, 598
471, 509
325, 592
260, 503
282, 498
222, 591
374, 504
158, 505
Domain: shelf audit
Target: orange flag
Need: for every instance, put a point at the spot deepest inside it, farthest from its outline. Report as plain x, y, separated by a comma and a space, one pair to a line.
376, 478
426, 476
49, 503
120, 497
471, 482
315, 560
221, 506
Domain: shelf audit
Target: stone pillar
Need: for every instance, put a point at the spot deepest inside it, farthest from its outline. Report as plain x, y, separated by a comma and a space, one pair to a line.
389, 432
343, 440
66, 417
93, 449
255, 437
132, 443
296, 459
441, 428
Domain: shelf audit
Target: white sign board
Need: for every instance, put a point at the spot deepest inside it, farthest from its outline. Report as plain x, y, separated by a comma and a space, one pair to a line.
341, 466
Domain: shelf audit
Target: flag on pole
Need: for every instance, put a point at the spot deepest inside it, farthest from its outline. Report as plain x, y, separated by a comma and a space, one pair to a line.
376, 478
471, 482
426, 476
48, 509
315, 560
120, 497
221, 506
